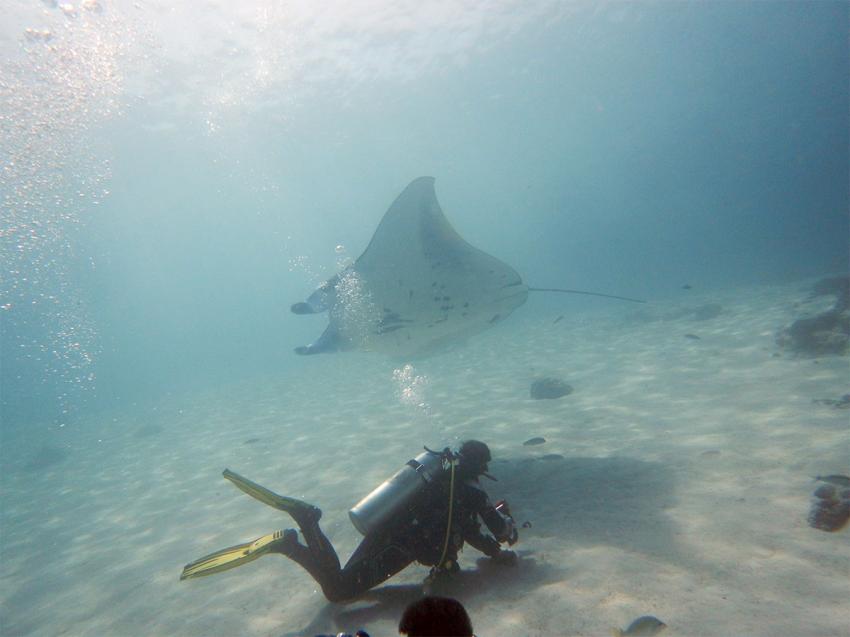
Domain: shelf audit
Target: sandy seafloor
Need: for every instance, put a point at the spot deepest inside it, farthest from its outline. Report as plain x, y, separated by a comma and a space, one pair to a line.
683, 490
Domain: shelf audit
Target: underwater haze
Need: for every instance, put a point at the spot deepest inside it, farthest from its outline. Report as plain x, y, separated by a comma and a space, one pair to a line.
175, 176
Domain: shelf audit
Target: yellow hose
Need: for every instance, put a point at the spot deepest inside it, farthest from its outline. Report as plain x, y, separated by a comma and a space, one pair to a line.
449, 523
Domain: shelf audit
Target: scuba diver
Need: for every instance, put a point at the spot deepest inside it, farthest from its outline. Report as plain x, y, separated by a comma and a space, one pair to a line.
424, 513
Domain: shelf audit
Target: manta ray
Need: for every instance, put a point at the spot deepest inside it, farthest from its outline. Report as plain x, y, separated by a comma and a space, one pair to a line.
418, 286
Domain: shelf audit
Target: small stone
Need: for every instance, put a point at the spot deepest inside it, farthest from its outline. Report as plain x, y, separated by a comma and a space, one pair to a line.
827, 332
838, 480
829, 516
825, 492
534, 441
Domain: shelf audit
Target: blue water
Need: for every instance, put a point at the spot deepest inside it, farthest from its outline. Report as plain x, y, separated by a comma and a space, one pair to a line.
175, 178
620, 148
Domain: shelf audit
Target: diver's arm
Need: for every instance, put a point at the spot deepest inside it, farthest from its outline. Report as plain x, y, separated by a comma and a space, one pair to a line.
499, 522
484, 543
499, 525
491, 548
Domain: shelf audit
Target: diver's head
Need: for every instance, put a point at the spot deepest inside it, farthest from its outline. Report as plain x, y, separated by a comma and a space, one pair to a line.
474, 456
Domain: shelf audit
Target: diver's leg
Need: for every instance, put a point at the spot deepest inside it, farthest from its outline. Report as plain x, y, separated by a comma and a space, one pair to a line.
318, 557
320, 567
319, 546
378, 557
376, 560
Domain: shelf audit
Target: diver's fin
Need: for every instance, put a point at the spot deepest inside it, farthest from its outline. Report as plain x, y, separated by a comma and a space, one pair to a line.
233, 556
302, 512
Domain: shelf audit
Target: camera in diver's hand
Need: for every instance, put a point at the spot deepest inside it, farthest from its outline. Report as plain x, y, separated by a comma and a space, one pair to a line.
510, 534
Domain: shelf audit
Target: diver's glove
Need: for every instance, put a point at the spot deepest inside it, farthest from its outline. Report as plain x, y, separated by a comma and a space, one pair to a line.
506, 558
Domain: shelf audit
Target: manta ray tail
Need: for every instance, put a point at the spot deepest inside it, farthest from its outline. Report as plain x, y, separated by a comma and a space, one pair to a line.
607, 296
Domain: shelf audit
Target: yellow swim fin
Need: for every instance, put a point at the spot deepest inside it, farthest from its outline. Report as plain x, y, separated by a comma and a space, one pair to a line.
231, 557
292, 506
234, 556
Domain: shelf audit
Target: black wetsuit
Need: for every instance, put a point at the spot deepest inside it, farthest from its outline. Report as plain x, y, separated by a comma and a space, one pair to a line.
418, 536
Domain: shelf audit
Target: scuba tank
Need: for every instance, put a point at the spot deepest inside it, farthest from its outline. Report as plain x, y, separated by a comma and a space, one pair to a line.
392, 495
